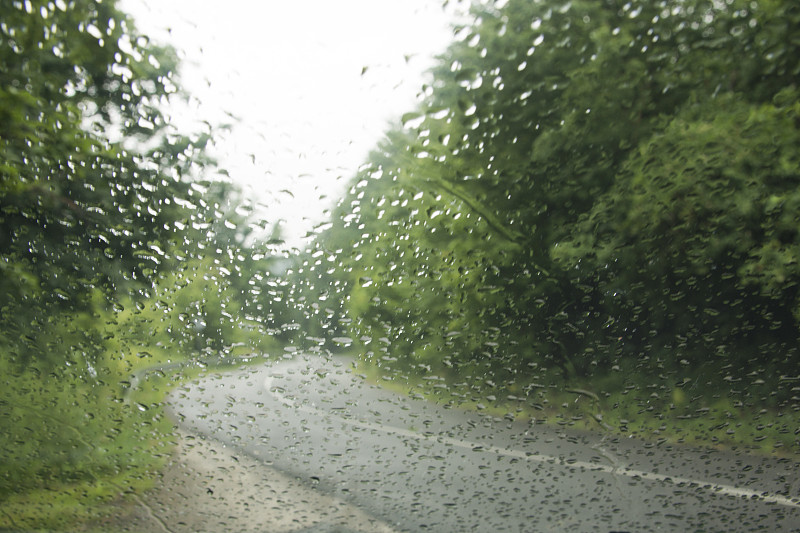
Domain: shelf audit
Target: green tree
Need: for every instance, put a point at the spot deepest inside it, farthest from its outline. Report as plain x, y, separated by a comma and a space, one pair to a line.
100, 207
84, 205
571, 169
704, 213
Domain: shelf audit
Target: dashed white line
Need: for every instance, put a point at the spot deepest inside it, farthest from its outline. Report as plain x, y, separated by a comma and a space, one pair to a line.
717, 488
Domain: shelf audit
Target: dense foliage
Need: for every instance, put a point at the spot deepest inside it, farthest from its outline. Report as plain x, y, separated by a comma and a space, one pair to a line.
115, 254
595, 194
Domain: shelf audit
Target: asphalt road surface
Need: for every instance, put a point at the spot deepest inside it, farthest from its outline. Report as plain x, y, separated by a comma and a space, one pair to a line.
418, 466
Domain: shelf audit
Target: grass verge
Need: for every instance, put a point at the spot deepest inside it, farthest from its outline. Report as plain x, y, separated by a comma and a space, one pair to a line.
657, 418
109, 493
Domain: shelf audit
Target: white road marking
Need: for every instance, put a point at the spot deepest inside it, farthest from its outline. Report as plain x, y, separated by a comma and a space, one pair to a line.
717, 488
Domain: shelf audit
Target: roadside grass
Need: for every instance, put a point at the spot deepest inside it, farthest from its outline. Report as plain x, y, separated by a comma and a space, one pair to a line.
127, 463
657, 418
72, 506
111, 492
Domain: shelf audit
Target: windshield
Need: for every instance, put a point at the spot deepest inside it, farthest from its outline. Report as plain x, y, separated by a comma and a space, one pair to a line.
401, 266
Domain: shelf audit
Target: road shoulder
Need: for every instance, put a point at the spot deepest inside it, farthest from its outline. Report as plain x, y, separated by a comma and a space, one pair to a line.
208, 487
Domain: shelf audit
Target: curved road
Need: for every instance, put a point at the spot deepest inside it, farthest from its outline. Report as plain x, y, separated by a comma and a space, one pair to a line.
421, 467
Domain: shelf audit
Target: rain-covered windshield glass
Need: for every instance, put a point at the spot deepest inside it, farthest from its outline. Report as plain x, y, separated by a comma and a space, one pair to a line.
400, 266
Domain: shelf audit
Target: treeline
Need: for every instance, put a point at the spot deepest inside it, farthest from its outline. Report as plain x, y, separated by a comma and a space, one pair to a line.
121, 248
594, 194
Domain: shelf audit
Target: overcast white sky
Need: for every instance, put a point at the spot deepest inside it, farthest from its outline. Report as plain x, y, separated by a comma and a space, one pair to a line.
314, 82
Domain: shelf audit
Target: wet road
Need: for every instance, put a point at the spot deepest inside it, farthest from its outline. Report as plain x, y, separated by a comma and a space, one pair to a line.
418, 466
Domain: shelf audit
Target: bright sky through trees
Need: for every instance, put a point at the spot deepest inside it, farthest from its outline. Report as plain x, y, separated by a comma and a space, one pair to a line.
313, 84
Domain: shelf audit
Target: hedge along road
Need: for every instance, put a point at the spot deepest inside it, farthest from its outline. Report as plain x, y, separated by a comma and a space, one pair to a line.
419, 466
